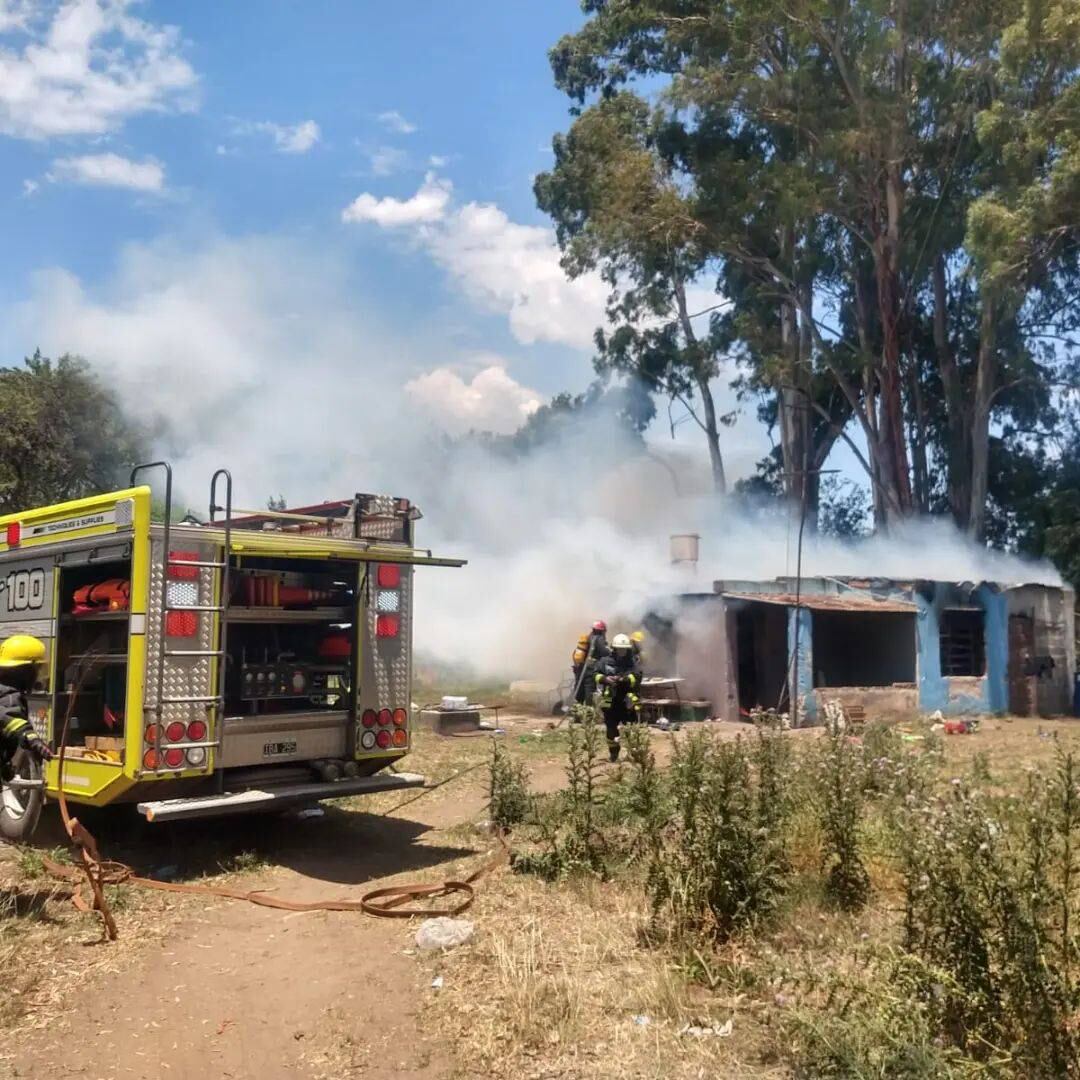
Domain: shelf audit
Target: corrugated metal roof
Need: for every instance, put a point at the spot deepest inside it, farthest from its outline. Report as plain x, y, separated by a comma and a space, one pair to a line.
829, 601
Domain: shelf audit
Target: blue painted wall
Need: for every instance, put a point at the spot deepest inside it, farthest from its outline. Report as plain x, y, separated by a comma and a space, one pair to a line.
990, 694
806, 658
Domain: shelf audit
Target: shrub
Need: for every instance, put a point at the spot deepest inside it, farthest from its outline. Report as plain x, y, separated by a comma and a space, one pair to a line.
840, 797
508, 788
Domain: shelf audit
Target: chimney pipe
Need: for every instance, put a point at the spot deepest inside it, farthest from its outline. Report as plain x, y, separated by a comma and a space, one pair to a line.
684, 549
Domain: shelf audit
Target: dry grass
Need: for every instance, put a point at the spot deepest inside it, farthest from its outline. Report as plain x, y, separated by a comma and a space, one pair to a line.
556, 984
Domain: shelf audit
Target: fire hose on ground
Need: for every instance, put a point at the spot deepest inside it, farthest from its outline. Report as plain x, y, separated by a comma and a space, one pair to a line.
388, 903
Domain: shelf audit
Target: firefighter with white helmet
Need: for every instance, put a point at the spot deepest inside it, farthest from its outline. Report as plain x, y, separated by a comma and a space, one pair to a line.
618, 678
20, 656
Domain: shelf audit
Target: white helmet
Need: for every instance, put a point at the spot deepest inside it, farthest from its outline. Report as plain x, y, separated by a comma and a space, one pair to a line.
620, 641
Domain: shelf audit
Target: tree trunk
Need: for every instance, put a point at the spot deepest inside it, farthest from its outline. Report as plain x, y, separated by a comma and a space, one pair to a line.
985, 378
957, 412
919, 464
701, 380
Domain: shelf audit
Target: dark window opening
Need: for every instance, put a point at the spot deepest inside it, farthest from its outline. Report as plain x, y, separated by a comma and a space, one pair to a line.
863, 648
761, 654
963, 644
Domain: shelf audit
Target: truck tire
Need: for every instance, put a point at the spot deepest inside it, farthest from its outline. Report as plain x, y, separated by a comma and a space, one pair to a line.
20, 808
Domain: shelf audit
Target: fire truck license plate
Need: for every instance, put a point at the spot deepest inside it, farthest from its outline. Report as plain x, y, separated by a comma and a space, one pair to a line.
279, 749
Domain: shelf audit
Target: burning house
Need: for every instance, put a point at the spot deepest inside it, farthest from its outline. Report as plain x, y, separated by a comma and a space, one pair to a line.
883, 646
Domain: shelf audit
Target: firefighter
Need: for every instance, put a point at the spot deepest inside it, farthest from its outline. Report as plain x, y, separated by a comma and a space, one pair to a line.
591, 649
20, 656
618, 679
637, 640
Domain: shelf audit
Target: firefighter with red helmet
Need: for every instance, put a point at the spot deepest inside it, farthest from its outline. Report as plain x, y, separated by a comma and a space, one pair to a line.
20, 656
590, 650
618, 679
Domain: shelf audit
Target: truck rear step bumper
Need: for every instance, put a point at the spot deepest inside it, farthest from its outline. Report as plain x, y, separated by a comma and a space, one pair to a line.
273, 797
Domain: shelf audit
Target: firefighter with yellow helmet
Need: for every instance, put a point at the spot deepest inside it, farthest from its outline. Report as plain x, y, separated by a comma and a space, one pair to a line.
20, 656
618, 679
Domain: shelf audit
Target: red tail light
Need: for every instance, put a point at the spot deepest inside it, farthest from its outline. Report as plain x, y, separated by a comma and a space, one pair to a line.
401, 717
385, 717
387, 626
181, 624
150, 734
370, 718
174, 758
383, 739
389, 576
14, 534
401, 737
174, 732
196, 731
181, 572
150, 759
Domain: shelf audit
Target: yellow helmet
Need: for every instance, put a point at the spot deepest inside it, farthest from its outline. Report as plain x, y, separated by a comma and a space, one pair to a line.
21, 649
638, 636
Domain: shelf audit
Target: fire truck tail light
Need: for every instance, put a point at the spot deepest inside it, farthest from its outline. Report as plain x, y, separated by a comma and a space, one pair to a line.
388, 576
175, 731
367, 740
370, 718
181, 624
14, 534
383, 739
196, 756
387, 600
401, 737
401, 717
174, 758
387, 626
196, 731
150, 759
150, 734
385, 717
181, 572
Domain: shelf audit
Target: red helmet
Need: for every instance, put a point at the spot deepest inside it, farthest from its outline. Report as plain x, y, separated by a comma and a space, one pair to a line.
600, 626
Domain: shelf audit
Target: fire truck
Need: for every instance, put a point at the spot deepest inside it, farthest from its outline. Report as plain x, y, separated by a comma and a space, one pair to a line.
254, 661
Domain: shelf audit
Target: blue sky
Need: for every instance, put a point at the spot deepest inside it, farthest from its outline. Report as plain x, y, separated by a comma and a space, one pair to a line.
204, 197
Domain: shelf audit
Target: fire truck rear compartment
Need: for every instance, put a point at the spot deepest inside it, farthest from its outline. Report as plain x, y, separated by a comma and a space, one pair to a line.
290, 664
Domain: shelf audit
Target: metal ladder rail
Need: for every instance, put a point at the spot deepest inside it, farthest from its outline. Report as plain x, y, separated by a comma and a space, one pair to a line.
157, 705
226, 601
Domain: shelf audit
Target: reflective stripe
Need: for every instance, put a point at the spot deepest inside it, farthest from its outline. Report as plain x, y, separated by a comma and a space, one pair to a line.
15, 725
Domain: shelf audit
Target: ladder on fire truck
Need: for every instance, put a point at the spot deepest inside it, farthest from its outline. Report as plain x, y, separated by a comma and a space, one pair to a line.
215, 703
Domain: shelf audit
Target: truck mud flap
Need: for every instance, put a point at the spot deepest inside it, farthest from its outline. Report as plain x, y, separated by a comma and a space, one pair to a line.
273, 797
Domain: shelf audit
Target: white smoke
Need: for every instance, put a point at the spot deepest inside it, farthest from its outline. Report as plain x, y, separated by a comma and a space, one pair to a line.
259, 357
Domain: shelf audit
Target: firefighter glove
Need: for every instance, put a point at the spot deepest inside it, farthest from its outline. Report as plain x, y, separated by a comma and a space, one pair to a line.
37, 746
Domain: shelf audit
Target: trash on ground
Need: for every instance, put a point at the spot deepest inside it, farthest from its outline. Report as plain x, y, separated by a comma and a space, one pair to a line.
642, 1021
708, 1031
443, 933
437, 983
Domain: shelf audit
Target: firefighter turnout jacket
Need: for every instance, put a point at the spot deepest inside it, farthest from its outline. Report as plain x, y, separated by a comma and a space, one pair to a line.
618, 679
16, 732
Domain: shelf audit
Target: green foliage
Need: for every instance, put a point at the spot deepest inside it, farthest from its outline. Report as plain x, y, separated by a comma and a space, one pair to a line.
64, 434
840, 786
990, 919
722, 865
508, 788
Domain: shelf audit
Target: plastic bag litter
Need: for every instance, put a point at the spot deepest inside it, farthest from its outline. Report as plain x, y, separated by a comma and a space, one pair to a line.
443, 933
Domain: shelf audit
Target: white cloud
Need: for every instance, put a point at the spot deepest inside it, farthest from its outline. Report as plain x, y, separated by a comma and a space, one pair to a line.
30, 187
438, 161
491, 401
502, 266
386, 160
394, 121
109, 170
429, 204
83, 67
288, 138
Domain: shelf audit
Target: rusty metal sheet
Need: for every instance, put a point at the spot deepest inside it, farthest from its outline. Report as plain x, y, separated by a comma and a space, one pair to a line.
830, 601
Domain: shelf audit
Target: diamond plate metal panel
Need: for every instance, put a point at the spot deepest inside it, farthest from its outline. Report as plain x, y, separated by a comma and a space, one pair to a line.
387, 662
184, 676
382, 507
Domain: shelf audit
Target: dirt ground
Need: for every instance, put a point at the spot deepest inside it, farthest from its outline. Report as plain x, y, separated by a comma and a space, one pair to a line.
203, 988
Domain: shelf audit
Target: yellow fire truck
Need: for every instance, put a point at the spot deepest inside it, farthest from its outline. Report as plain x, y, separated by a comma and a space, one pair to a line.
257, 660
